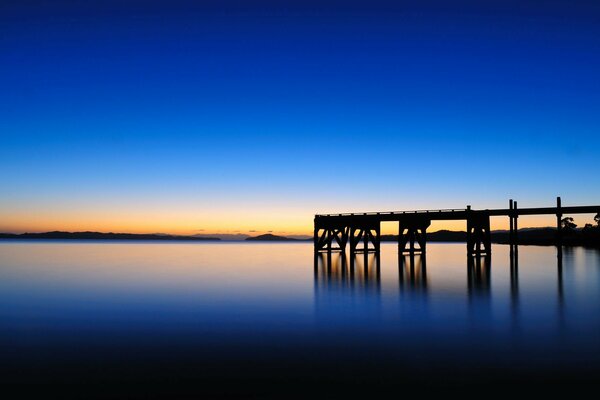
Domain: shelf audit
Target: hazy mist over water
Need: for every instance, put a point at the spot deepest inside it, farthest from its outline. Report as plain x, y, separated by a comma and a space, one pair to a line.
102, 308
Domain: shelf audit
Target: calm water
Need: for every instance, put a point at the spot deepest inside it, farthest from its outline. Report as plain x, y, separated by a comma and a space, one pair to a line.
260, 316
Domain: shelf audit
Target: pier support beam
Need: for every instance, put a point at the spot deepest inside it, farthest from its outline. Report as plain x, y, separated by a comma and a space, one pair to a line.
369, 233
330, 237
479, 240
412, 231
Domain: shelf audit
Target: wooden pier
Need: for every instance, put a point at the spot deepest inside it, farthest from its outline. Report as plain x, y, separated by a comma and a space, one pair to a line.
333, 232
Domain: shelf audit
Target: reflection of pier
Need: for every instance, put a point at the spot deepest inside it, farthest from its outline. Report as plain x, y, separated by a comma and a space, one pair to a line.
362, 231
479, 274
514, 278
348, 290
515, 291
338, 271
412, 272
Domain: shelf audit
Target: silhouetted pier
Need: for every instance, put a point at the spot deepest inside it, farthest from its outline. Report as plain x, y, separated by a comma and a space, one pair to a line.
334, 232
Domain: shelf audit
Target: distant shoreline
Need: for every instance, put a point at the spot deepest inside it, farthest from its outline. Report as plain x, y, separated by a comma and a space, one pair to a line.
526, 236
102, 236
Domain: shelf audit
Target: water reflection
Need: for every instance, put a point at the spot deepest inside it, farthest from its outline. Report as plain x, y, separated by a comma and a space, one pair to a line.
339, 271
347, 290
412, 274
514, 286
560, 288
529, 308
479, 275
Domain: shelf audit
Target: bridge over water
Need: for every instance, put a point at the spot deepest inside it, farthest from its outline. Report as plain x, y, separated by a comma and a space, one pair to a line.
334, 232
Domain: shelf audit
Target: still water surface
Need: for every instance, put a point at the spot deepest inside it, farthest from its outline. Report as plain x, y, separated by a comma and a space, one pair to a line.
99, 311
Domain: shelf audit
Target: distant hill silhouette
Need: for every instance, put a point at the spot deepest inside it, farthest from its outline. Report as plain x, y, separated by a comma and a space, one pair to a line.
271, 238
100, 236
222, 236
526, 236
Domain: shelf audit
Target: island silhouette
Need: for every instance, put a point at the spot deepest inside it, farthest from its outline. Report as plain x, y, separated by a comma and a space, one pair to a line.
588, 236
102, 236
268, 237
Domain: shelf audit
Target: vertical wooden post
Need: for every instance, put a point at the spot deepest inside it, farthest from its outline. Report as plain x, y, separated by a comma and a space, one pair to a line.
510, 219
470, 248
515, 225
400, 233
558, 222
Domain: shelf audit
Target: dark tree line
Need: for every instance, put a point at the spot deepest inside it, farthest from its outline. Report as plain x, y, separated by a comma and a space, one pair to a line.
568, 224
589, 235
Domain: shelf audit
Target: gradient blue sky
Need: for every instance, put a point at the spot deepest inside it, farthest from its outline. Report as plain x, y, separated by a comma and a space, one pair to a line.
227, 116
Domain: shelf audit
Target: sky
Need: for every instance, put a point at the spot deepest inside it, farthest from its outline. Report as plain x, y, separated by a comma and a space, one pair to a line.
251, 116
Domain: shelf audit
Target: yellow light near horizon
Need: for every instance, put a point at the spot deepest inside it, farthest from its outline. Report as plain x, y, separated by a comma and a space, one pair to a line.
187, 222
184, 223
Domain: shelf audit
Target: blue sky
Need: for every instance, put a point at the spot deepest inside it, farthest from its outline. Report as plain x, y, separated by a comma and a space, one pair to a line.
235, 116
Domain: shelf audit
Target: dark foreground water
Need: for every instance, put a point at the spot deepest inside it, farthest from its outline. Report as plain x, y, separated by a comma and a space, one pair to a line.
136, 319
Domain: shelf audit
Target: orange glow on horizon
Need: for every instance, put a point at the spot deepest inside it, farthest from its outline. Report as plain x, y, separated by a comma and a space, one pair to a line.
277, 222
